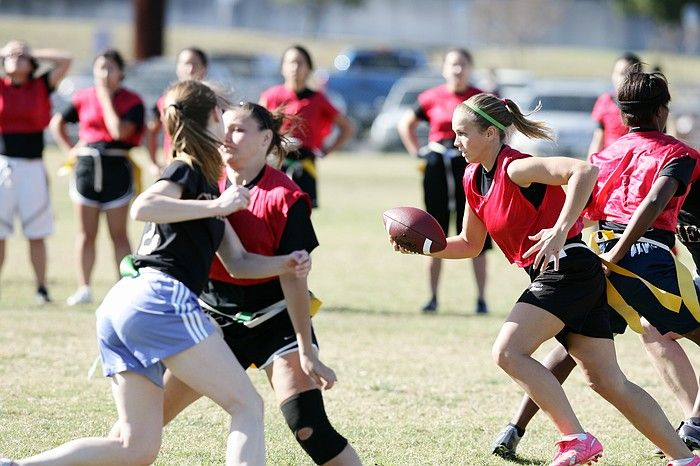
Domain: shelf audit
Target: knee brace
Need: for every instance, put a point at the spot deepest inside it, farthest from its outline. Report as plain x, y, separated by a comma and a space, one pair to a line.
306, 417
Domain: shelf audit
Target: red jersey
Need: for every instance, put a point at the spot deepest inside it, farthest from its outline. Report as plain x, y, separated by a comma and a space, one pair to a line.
508, 215
607, 114
437, 104
91, 123
628, 169
314, 111
261, 225
25, 108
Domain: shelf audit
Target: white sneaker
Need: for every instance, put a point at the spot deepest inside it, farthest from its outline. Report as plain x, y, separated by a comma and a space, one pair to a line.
82, 295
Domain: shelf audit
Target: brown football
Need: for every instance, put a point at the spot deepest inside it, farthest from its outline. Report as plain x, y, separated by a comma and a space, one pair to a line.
414, 229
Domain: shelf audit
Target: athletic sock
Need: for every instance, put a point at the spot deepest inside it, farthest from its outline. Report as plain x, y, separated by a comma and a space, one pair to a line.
583, 436
518, 429
682, 462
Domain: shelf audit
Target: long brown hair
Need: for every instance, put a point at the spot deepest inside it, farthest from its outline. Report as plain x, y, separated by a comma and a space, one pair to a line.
188, 105
505, 112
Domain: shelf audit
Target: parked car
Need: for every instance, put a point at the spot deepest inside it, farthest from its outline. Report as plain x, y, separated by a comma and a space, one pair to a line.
566, 107
363, 78
384, 135
685, 114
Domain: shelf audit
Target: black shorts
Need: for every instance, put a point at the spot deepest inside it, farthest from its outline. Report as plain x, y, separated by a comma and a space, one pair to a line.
262, 344
300, 166
439, 191
105, 182
575, 294
655, 264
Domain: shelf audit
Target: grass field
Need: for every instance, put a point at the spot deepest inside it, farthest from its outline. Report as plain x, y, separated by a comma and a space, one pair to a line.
414, 389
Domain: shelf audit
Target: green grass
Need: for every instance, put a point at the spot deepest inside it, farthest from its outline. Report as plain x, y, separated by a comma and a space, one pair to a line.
413, 389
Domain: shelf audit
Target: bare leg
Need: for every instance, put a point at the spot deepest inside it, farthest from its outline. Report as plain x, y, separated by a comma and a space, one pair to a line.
211, 369
434, 268
673, 365
37, 255
526, 328
88, 221
479, 265
287, 379
560, 365
139, 405
597, 359
116, 221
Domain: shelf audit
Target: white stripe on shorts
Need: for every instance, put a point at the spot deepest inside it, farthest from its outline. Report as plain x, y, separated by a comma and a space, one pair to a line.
194, 326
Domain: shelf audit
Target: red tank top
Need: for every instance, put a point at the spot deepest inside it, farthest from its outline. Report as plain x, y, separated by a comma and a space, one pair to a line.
314, 111
261, 225
91, 123
25, 108
628, 169
438, 104
509, 217
607, 114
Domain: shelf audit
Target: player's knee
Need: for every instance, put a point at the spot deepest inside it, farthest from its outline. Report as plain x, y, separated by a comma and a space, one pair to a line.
503, 355
306, 417
607, 386
140, 450
246, 403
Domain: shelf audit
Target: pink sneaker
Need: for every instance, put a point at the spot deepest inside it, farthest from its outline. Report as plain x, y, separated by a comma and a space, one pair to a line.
573, 451
695, 462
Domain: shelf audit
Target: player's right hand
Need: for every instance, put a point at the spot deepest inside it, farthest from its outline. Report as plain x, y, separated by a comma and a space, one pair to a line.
234, 198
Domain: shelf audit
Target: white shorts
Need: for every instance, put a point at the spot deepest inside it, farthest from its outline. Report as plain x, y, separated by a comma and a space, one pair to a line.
24, 192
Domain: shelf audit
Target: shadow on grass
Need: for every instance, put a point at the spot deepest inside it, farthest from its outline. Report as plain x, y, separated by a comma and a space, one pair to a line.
427, 315
521, 460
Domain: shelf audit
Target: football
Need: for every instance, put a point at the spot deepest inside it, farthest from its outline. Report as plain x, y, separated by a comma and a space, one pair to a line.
414, 229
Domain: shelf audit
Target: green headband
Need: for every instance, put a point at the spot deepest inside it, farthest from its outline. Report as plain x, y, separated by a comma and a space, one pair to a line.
486, 116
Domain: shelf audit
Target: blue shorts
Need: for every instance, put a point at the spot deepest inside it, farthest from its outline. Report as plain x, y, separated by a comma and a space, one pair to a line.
146, 319
655, 264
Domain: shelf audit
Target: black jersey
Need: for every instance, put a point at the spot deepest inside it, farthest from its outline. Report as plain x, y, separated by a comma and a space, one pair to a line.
183, 250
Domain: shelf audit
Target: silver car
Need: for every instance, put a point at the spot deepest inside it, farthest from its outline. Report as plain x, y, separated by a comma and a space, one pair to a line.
566, 107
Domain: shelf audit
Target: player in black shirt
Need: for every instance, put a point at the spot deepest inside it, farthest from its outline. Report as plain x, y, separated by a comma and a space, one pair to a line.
153, 320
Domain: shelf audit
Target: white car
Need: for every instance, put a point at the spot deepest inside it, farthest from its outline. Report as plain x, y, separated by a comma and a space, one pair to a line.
566, 108
384, 135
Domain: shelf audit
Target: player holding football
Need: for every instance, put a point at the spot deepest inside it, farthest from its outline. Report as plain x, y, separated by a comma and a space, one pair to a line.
518, 199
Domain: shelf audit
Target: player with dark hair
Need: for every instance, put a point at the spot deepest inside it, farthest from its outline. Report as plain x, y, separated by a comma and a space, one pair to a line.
314, 119
110, 119
152, 320
518, 199
25, 111
606, 112
266, 322
444, 167
191, 63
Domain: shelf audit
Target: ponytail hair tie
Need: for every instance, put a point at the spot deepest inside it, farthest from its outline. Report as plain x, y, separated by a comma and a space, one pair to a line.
175, 106
505, 102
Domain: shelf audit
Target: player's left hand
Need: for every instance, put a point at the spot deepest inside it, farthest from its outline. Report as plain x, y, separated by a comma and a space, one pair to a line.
321, 374
298, 263
548, 244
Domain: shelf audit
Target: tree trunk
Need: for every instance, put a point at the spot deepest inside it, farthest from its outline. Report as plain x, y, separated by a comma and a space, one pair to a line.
149, 16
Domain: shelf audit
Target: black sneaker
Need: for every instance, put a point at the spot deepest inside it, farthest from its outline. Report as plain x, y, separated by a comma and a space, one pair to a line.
506, 442
430, 306
657, 451
481, 307
690, 433
42, 295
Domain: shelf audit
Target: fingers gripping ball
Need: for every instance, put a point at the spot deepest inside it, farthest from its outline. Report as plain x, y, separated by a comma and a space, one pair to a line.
414, 229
